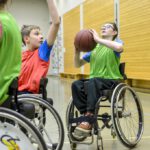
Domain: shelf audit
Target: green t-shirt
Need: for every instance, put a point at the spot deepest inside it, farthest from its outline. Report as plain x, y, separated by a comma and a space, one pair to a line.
10, 53
104, 63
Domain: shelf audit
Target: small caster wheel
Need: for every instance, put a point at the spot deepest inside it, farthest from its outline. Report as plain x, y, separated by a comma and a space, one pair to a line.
73, 146
113, 133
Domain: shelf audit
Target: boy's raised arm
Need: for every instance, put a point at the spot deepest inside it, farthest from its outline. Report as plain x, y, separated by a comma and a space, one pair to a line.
55, 22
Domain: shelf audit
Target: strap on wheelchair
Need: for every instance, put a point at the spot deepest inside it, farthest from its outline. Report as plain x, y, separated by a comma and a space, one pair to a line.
122, 70
43, 84
106, 118
13, 88
90, 119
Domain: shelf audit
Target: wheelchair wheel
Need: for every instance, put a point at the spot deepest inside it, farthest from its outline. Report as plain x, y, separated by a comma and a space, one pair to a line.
127, 115
71, 113
47, 120
16, 132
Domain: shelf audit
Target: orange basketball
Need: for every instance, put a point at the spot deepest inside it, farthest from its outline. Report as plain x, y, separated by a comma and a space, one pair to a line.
84, 41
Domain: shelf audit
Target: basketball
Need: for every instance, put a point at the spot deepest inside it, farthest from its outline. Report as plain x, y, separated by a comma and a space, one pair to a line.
84, 41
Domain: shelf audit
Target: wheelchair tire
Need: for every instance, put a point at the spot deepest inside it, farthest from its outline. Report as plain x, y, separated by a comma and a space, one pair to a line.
14, 126
72, 113
127, 119
47, 120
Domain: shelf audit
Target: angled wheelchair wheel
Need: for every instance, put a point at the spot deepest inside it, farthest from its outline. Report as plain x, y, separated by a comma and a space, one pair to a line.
72, 113
16, 132
47, 120
127, 115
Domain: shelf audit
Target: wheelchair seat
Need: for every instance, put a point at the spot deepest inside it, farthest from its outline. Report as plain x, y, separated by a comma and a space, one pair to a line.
27, 109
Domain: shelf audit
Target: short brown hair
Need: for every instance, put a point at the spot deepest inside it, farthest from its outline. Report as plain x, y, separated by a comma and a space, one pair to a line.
26, 30
115, 29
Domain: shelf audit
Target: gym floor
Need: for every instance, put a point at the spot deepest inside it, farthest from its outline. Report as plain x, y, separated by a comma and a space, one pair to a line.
60, 91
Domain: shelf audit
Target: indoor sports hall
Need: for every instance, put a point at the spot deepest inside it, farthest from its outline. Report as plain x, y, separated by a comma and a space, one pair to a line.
121, 118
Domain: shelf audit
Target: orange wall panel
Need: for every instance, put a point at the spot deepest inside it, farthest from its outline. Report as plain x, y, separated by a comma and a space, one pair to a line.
135, 32
71, 25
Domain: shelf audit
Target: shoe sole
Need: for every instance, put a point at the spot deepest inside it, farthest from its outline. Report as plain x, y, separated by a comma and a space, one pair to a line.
82, 132
79, 137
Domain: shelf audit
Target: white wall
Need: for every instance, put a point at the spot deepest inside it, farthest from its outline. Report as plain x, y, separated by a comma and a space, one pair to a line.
66, 5
36, 11
31, 12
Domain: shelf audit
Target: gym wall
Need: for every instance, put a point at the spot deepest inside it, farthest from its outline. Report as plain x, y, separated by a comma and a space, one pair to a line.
135, 32
71, 24
66, 5
31, 12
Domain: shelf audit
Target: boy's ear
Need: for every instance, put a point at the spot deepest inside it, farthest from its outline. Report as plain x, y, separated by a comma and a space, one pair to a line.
26, 39
115, 32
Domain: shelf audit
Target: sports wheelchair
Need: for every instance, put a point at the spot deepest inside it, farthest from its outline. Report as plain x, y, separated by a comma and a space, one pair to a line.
38, 109
125, 119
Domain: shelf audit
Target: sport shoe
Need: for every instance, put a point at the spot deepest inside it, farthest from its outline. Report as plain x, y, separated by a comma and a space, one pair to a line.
83, 127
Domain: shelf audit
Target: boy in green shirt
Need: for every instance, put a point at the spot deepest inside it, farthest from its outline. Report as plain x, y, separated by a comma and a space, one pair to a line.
104, 72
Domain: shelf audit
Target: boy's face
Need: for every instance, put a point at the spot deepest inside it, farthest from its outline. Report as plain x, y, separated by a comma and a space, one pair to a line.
35, 38
107, 30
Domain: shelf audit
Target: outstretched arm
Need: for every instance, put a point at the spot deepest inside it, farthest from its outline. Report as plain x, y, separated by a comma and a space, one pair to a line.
55, 22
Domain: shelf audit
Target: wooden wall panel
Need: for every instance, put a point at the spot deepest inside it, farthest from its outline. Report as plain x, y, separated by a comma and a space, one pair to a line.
96, 13
71, 25
141, 84
135, 32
